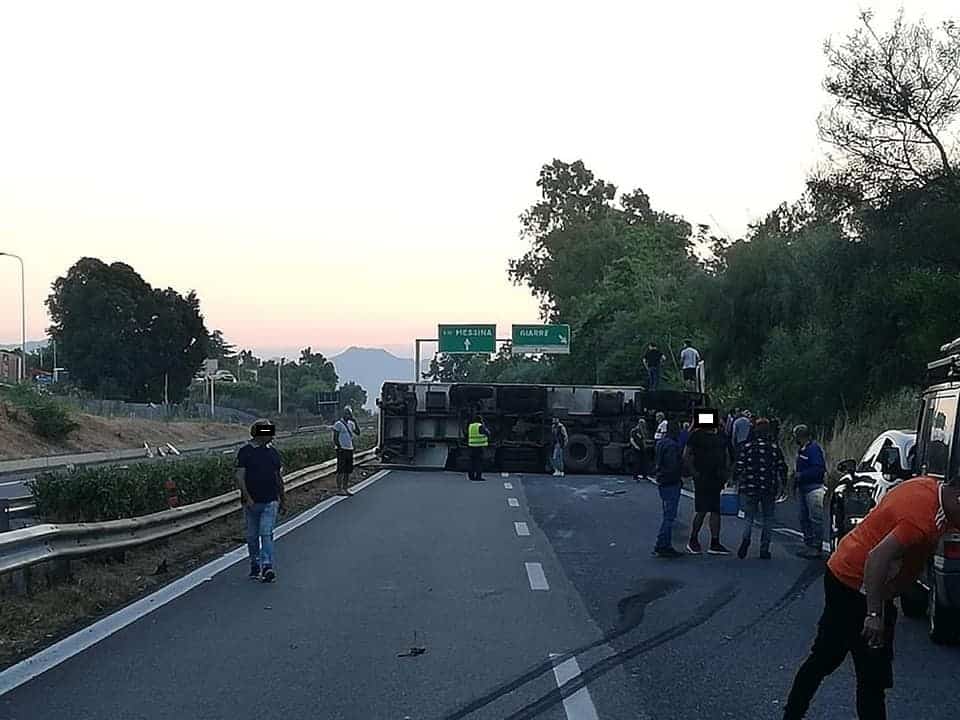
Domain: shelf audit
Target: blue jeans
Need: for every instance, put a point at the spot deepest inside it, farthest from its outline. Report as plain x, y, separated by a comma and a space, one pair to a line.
765, 504
653, 377
810, 516
557, 459
670, 497
261, 519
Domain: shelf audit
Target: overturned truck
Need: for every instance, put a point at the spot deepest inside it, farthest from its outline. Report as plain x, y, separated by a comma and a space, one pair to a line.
423, 425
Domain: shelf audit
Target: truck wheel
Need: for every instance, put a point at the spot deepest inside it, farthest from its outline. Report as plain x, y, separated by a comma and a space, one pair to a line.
941, 621
580, 454
913, 603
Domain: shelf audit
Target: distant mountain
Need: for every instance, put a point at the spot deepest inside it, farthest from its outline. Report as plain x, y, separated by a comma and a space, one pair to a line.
370, 368
32, 345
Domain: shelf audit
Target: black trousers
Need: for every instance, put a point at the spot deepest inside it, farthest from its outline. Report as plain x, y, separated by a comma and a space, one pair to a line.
838, 633
476, 463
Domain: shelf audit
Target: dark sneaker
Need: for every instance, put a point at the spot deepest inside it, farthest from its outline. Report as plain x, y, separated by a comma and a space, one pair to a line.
742, 550
254, 572
717, 548
694, 547
764, 554
268, 575
667, 552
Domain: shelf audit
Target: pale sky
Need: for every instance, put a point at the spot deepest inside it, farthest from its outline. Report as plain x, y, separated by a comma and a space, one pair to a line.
352, 173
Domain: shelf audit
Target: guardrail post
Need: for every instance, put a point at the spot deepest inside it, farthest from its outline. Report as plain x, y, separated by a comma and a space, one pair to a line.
4, 515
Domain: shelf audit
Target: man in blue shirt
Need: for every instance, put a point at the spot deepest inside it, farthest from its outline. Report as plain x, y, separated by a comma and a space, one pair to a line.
259, 469
808, 478
669, 469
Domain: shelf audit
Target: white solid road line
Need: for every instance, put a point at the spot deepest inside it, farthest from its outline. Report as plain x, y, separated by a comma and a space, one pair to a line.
577, 705
35, 665
508, 486
513, 502
521, 528
538, 581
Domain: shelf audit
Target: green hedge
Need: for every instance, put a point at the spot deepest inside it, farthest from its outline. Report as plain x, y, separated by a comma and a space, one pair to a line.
92, 494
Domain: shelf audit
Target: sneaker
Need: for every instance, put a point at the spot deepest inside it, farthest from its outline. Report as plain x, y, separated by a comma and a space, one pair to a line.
254, 572
717, 548
742, 550
562, 474
268, 575
667, 552
694, 547
556, 473
764, 554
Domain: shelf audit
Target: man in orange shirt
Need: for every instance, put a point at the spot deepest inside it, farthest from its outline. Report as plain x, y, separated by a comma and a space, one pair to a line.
880, 558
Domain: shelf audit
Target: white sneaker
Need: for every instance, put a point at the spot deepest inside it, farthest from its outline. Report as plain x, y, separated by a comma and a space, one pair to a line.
562, 474
557, 473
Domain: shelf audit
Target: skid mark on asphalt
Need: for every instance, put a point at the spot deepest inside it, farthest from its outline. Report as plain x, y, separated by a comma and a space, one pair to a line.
811, 573
631, 609
704, 612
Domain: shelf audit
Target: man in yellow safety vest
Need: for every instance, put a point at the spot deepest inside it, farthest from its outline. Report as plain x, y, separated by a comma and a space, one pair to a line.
478, 437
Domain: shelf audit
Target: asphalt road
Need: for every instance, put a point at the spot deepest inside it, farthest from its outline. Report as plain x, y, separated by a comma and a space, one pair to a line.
430, 553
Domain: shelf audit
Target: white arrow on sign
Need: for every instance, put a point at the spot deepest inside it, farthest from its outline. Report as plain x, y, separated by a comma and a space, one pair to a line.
466, 343
562, 339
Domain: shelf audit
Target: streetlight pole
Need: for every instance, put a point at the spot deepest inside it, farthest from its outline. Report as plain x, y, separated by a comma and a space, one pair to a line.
23, 317
279, 389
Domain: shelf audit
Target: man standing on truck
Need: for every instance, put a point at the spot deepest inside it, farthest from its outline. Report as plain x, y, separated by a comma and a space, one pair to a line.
558, 434
478, 438
259, 477
653, 360
689, 360
707, 455
808, 479
344, 431
879, 559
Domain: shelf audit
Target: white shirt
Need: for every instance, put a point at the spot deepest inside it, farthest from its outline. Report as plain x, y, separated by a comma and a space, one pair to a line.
689, 358
661, 430
345, 433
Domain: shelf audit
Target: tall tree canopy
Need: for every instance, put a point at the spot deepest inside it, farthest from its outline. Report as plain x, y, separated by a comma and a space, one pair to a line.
120, 337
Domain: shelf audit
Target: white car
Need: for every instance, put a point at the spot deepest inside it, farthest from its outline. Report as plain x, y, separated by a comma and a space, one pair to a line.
863, 484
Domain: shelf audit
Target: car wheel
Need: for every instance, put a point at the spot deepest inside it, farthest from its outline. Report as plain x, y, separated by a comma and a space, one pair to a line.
913, 602
941, 620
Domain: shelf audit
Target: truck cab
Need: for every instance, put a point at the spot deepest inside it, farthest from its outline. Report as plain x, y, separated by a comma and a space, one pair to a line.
938, 455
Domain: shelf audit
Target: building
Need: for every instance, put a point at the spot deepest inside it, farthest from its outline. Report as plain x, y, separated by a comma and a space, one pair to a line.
9, 366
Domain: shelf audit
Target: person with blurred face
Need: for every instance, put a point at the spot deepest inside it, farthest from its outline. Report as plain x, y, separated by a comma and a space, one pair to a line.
344, 431
259, 477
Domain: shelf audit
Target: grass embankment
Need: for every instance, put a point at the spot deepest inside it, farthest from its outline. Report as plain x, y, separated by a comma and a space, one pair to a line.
852, 436
35, 425
97, 587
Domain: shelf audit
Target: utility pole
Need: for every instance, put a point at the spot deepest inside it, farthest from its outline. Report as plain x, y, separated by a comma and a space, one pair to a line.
212, 383
279, 388
23, 316
166, 388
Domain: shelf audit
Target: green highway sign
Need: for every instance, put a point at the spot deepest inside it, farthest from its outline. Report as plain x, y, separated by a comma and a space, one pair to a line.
467, 338
553, 339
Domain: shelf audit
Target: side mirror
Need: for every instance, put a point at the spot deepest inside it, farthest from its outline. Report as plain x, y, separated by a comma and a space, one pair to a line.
845, 467
889, 460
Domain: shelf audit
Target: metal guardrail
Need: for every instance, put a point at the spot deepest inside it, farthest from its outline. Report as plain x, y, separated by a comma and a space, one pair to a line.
22, 548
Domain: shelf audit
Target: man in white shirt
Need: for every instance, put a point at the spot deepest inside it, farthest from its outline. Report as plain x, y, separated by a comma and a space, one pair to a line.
344, 431
661, 430
689, 360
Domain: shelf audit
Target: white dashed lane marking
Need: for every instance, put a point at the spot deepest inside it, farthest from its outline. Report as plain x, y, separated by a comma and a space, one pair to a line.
513, 502
521, 528
508, 486
538, 581
577, 705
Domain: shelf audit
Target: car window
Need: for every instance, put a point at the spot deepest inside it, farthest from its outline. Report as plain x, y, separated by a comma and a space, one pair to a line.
937, 434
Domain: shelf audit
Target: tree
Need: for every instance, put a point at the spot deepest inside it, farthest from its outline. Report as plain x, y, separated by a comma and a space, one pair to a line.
896, 100
119, 337
354, 396
456, 368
